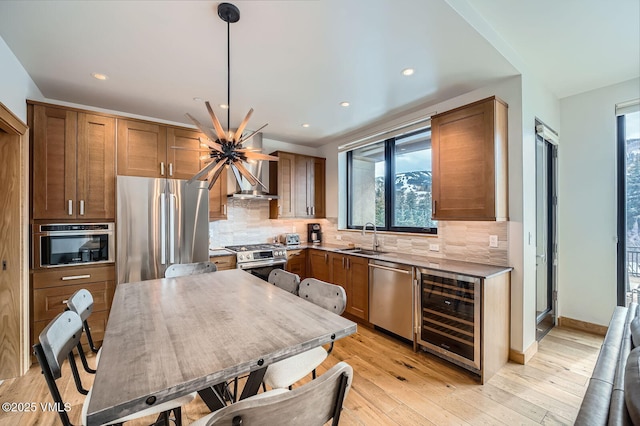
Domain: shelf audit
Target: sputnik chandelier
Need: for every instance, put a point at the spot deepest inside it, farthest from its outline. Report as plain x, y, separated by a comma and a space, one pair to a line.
226, 148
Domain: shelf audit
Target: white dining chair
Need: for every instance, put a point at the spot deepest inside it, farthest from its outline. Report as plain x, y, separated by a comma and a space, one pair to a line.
285, 280
56, 342
283, 374
312, 404
183, 269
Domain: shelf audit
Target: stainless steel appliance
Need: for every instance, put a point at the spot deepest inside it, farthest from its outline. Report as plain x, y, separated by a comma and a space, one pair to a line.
290, 240
160, 222
314, 233
448, 315
260, 259
68, 244
391, 297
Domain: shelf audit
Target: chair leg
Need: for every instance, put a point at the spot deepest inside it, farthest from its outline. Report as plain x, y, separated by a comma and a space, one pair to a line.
177, 412
264, 387
313, 374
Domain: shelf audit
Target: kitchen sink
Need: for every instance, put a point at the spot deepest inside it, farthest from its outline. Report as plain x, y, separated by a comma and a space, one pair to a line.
361, 251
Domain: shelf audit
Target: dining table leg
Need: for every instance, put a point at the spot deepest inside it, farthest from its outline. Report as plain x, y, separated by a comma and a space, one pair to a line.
212, 397
253, 383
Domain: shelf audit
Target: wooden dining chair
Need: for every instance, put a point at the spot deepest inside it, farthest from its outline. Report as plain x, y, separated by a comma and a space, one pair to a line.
283, 374
312, 404
81, 302
285, 280
56, 342
182, 269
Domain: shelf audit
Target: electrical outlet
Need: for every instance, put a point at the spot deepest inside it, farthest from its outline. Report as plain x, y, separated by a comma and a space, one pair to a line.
493, 241
434, 247
338, 237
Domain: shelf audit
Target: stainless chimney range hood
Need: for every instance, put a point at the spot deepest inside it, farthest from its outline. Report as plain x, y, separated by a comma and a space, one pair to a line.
245, 191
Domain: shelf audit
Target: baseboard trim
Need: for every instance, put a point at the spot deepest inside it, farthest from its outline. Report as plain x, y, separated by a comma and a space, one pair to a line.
600, 330
523, 357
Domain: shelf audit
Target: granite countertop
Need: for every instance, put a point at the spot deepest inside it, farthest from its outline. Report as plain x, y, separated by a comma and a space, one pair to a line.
438, 264
220, 252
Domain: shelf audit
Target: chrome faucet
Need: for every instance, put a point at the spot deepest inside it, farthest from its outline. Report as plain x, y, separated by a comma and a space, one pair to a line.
375, 235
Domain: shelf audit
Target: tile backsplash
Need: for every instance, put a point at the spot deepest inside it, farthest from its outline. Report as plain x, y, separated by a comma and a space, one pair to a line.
248, 223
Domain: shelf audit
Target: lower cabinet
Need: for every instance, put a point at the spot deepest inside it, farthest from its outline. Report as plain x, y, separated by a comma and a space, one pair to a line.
352, 273
318, 264
297, 262
224, 262
53, 287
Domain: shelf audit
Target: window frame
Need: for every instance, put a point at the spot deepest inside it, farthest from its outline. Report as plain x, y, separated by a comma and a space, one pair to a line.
389, 198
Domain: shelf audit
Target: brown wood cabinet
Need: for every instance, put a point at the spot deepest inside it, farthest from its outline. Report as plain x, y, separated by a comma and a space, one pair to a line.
224, 262
297, 262
318, 264
73, 164
218, 198
470, 162
299, 181
146, 149
53, 287
352, 273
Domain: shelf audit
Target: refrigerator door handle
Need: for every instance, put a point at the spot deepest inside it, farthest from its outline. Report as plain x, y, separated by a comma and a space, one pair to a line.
173, 201
163, 230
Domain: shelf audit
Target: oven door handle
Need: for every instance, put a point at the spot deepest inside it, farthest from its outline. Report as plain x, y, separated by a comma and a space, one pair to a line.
252, 265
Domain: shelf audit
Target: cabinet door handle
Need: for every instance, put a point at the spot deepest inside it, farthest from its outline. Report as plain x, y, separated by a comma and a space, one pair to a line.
162, 168
170, 169
70, 207
81, 207
75, 277
434, 207
343, 263
348, 263
64, 302
325, 257
224, 209
313, 210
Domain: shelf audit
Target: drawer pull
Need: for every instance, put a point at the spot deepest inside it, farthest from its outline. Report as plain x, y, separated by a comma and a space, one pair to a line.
75, 277
64, 302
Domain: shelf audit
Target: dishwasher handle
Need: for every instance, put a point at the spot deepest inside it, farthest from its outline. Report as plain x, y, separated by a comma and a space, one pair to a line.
402, 271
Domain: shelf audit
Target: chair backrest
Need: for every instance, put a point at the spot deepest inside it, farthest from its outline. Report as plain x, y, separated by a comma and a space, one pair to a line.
81, 302
182, 269
329, 296
312, 404
285, 280
59, 338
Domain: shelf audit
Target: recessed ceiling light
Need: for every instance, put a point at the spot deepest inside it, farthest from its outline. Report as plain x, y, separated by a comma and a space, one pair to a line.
99, 76
197, 99
345, 104
408, 71
305, 125
224, 106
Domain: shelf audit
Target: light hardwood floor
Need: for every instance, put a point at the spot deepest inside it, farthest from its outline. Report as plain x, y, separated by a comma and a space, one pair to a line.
394, 386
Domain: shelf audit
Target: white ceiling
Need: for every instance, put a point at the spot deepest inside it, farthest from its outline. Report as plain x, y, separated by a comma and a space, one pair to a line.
295, 61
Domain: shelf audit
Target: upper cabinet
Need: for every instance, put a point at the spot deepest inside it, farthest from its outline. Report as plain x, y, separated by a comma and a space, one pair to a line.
73, 164
218, 198
469, 146
299, 181
154, 150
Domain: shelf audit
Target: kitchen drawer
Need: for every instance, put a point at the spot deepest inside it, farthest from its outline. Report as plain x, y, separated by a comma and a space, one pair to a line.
97, 324
224, 262
75, 275
49, 302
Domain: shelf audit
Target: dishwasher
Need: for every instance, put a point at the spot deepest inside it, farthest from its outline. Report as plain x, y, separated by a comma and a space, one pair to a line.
391, 297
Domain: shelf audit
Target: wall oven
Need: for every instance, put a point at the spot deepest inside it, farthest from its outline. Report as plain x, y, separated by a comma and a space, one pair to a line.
69, 244
448, 316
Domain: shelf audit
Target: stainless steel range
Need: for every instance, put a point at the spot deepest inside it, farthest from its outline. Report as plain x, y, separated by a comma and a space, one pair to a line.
260, 259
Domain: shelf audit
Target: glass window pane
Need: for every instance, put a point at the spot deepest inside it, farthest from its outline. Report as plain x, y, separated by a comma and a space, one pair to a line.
632, 151
412, 181
367, 186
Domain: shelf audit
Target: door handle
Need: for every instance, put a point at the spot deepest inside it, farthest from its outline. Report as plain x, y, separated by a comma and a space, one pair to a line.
81, 207
70, 207
75, 277
172, 227
170, 169
163, 230
162, 168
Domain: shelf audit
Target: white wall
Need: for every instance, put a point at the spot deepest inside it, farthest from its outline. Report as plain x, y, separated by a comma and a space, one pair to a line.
15, 84
587, 203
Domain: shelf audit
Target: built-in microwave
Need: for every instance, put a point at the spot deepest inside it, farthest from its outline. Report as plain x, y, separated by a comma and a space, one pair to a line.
68, 244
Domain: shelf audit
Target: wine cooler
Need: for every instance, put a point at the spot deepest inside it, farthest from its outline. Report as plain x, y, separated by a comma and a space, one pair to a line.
448, 316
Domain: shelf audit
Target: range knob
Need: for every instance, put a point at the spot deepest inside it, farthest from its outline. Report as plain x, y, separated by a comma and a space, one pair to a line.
241, 257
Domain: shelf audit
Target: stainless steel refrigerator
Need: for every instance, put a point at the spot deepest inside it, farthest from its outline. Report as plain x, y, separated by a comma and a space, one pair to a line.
160, 222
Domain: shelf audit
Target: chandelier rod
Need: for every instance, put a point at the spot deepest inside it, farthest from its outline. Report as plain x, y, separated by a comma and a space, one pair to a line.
228, 78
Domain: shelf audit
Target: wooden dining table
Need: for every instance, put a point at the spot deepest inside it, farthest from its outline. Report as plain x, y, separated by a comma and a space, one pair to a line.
166, 338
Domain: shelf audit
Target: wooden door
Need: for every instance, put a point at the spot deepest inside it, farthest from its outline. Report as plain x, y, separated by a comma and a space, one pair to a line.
318, 265
319, 188
464, 158
302, 190
142, 149
338, 268
183, 164
218, 198
54, 163
96, 167
282, 182
358, 284
297, 263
